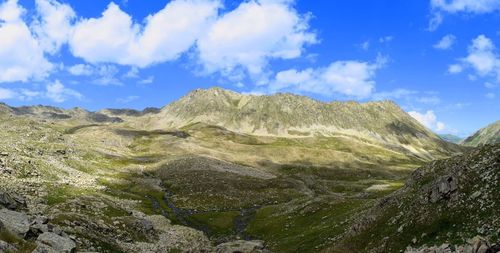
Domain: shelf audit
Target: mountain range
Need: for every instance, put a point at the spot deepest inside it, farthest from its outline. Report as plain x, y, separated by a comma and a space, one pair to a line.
219, 171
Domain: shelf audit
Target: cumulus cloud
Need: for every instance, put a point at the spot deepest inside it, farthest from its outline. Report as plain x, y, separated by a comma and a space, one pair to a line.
245, 39
115, 38
429, 120
53, 25
22, 56
58, 93
439, 7
482, 58
54, 91
446, 42
470, 6
350, 78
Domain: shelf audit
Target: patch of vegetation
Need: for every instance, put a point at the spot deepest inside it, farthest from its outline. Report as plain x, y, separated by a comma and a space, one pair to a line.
218, 224
304, 226
60, 193
21, 245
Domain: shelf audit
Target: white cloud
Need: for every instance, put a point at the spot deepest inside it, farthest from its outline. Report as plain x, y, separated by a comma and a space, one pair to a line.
455, 68
58, 93
53, 25
115, 38
482, 58
429, 120
245, 39
439, 7
490, 85
106, 75
127, 99
365, 45
490, 95
7, 94
148, 80
132, 73
351, 78
386, 39
446, 42
81, 70
469, 6
22, 56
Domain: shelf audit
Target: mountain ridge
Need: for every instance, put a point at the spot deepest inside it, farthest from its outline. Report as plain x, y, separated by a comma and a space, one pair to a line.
486, 135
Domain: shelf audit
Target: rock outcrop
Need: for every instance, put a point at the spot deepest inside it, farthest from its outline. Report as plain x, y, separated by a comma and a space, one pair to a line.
475, 245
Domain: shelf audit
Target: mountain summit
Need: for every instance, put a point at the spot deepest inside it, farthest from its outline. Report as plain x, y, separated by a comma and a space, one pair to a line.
288, 115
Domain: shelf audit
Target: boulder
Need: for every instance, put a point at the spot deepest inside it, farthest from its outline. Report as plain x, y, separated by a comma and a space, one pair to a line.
442, 189
12, 201
51, 243
16, 222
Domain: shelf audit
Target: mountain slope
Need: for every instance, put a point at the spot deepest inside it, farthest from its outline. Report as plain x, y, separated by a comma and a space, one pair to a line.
487, 135
446, 201
293, 116
451, 138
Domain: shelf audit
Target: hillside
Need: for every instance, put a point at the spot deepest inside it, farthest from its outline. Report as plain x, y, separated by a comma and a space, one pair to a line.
293, 116
446, 203
487, 135
122, 185
451, 138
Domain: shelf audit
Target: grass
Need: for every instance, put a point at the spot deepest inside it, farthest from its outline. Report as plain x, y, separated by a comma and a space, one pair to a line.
61, 193
219, 224
22, 246
304, 226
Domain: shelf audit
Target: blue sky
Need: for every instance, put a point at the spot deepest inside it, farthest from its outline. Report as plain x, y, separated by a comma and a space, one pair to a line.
438, 59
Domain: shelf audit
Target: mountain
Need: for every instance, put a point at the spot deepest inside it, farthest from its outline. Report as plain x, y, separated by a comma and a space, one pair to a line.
451, 138
446, 203
215, 171
293, 116
487, 135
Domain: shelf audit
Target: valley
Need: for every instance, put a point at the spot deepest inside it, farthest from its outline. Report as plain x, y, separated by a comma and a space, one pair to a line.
115, 181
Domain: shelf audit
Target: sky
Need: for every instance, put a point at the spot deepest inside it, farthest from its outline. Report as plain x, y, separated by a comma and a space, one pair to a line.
438, 59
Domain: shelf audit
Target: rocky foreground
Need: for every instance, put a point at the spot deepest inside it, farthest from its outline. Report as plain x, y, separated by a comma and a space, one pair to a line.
449, 205
20, 232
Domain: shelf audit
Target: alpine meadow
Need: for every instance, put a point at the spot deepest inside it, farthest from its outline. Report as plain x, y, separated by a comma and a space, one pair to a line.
250, 126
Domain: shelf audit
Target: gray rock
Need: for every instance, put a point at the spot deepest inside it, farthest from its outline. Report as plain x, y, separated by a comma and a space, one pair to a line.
16, 222
51, 243
442, 189
12, 201
241, 246
144, 225
4, 247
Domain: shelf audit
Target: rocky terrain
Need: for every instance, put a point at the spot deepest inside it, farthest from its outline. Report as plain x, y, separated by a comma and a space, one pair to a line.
487, 135
213, 172
448, 205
